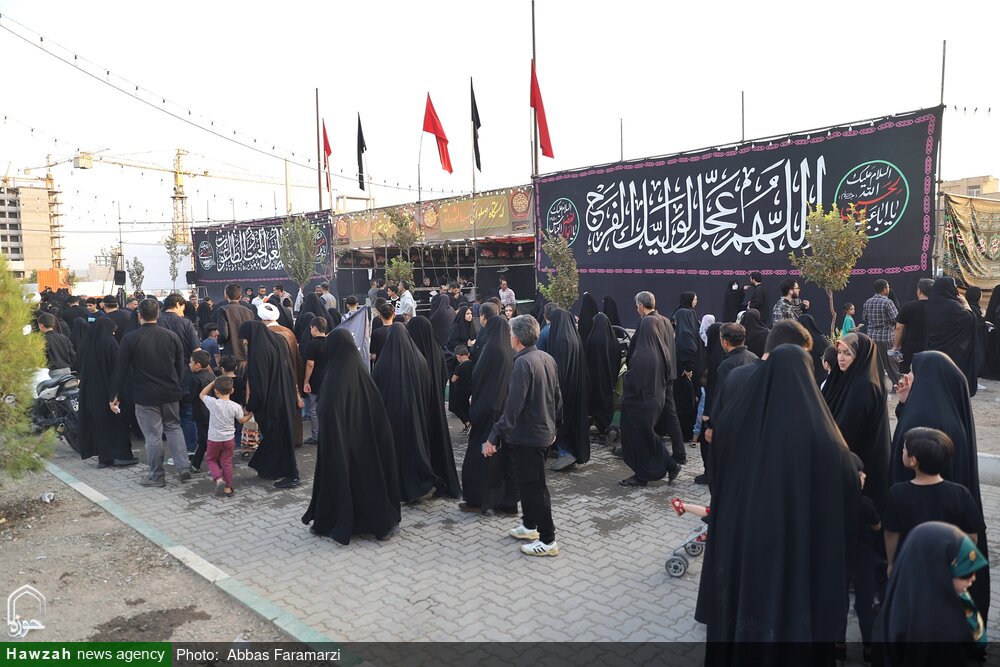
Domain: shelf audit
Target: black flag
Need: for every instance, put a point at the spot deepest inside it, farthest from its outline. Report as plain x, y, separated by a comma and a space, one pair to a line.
361, 149
476, 124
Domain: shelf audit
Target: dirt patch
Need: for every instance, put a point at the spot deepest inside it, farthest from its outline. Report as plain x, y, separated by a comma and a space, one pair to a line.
103, 581
613, 524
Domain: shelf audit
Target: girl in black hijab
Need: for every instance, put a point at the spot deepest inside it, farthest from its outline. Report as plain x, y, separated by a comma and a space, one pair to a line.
820, 343
688, 300
731, 302
688, 383
927, 616
102, 432
274, 402
484, 486
951, 328
771, 582
77, 333
757, 331
356, 485
565, 346
441, 317
610, 309
604, 361
856, 397
935, 394
312, 303
462, 331
301, 330
588, 308
284, 314
404, 381
442, 454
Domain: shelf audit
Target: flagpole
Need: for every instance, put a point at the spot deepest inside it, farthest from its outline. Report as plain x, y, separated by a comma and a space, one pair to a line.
368, 175
534, 112
319, 147
419, 153
473, 123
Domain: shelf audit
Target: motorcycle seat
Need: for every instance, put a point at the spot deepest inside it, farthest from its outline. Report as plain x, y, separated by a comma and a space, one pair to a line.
54, 382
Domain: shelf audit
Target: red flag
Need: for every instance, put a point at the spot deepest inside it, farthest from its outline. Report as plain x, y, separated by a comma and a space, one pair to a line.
326, 156
539, 107
433, 125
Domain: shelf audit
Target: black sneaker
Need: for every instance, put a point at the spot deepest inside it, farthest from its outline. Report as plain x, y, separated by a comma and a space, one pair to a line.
672, 474
287, 483
701, 479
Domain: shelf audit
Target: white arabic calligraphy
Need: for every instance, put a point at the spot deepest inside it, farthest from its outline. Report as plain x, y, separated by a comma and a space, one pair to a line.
248, 249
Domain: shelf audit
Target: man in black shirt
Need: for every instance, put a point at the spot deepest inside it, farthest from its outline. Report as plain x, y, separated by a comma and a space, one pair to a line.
314, 355
59, 351
75, 310
379, 335
121, 318
911, 325
229, 317
154, 358
757, 296
172, 317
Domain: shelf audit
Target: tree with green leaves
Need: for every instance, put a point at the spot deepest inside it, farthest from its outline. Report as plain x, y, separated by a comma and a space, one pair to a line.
20, 448
563, 282
398, 269
136, 273
175, 253
835, 241
405, 233
297, 249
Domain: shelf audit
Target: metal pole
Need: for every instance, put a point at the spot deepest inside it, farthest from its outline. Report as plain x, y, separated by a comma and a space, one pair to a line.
743, 116
939, 214
319, 147
473, 123
419, 153
534, 113
621, 139
288, 191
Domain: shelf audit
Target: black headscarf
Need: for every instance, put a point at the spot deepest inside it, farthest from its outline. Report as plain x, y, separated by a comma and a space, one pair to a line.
857, 399
610, 308
939, 398
757, 331
77, 333
482, 479
284, 316
441, 317
273, 400
442, 454
687, 300
644, 395
991, 362
311, 303
301, 330
731, 302
461, 332
922, 620
687, 335
538, 309
778, 581
588, 308
334, 317
820, 343
356, 485
102, 432
604, 361
566, 348
952, 329
404, 381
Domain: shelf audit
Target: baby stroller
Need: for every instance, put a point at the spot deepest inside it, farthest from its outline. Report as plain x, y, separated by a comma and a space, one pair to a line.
693, 546
250, 439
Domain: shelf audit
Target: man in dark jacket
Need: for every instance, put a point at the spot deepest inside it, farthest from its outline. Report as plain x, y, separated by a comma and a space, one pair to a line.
757, 295
527, 428
154, 358
122, 318
172, 317
75, 310
59, 352
229, 317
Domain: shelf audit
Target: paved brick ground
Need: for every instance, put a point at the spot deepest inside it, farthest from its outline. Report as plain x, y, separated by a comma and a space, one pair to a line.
449, 575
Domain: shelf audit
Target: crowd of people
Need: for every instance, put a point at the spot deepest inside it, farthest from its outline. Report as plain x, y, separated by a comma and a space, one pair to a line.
813, 495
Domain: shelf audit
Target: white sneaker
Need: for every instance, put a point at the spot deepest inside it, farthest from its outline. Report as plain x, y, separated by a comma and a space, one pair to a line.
539, 548
169, 462
523, 533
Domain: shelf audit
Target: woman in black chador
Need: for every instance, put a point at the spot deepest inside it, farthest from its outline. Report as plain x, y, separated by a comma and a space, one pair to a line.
951, 328
687, 386
757, 331
441, 317
484, 485
565, 346
604, 360
820, 343
274, 402
776, 580
611, 310
102, 432
938, 397
77, 333
462, 331
440, 449
356, 485
856, 396
731, 301
311, 303
588, 308
404, 381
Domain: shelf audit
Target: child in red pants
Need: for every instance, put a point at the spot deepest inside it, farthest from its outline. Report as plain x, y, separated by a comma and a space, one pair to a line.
223, 415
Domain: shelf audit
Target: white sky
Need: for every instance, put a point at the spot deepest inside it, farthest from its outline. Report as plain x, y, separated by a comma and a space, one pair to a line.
673, 71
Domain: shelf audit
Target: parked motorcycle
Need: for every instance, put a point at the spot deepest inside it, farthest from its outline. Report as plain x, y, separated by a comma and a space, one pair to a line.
57, 405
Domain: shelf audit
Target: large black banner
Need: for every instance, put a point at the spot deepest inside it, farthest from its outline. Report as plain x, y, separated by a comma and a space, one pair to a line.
696, 221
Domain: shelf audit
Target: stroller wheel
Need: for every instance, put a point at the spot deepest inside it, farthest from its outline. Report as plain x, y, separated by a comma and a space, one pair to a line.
694, 549
677, 566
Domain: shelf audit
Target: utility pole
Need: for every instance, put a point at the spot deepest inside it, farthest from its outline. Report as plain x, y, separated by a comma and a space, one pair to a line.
319, 167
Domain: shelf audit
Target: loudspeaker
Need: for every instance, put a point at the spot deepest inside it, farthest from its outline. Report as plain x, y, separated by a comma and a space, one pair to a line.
191, 277
119, 278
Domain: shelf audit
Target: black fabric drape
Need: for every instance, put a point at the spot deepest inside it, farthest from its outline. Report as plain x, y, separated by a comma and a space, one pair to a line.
922, 620
939, 398
610, 308
757, 331
461, 332
442, 454
588, 308
404, 381
644, 395
77, 334
604, 361
483, 483
101, 432
731, 301
284, 314
991, 362
441, 317
312, 303
301, 330
819, 344
768, 579
356, 484
952, 329
857, 400
273, 400
565, 346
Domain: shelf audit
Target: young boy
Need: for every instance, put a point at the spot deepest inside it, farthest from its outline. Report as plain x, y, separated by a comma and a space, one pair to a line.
221, 432
227, 366
211, 345
59, 352
927, 497
315, 356
461, 387
201, 377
